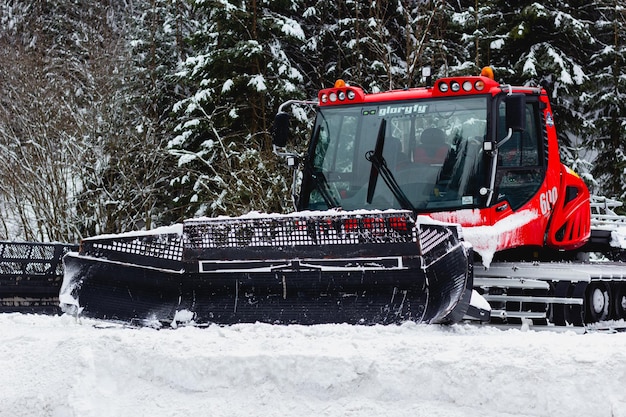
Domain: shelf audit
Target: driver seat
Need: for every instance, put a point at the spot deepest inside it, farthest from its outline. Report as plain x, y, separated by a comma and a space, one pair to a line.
433, 149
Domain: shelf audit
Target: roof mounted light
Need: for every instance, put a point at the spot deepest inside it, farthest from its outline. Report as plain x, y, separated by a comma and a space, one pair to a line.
479, 85
443, 87
340, 95
455, 86
467, 85
340, 83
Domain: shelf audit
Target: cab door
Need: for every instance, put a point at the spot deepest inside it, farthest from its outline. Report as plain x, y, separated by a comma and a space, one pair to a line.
521, 166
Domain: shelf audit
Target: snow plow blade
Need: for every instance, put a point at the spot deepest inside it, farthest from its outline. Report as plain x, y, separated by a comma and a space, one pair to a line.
303, 268
30, 276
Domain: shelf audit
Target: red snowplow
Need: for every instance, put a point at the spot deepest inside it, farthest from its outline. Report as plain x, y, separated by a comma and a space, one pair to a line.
396, 180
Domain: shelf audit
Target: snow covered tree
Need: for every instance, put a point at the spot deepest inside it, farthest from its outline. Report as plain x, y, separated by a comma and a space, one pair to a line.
241, 73
378, 45
91, 83
56, 72
129, 188
545, 44
418, 34
605, 100
556, 43
479, 30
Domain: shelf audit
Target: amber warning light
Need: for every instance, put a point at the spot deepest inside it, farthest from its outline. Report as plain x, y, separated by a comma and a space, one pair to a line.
487, 72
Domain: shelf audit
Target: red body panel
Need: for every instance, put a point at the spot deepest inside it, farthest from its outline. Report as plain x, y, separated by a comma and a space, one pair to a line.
557, 216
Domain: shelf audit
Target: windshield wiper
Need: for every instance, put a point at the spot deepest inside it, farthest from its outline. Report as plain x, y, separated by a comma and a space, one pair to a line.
379, 165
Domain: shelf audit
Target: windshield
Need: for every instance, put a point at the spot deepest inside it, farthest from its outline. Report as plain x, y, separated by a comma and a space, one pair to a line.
432, 149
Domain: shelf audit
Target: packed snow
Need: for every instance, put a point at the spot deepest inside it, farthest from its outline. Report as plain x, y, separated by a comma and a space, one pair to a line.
59, 367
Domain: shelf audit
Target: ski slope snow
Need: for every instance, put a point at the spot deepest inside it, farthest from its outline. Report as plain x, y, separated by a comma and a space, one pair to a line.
58, 367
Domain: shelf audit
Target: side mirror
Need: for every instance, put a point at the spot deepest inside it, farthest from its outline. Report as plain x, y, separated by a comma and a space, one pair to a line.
516, 112
280, 132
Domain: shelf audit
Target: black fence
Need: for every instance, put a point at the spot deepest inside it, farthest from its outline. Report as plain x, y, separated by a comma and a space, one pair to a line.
31, 275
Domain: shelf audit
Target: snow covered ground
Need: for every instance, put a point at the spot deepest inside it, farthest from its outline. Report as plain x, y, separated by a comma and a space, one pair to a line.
55, 366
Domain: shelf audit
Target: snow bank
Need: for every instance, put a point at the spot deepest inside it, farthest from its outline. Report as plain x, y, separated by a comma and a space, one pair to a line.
54, 366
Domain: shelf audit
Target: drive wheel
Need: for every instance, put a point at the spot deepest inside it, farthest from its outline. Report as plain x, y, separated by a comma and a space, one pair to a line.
598, 302
619, 301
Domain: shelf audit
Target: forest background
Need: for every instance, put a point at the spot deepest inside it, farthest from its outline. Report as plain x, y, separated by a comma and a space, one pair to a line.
120, 115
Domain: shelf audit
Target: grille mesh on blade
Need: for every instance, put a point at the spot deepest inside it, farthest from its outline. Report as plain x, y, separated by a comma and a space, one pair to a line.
301, 230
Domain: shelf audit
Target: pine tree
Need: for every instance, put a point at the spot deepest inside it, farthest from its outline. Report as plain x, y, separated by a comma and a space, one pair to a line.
241, 73
544, 44
421, 30
377, 45
129, 188
478, 31
606, 100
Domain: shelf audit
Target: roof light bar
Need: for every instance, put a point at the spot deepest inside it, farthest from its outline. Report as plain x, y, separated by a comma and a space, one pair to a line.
341, 92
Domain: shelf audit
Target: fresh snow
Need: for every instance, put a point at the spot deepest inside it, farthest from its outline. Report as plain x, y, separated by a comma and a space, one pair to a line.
58, 367
228, 85
309, 214
292, 28
258, 82
618, 237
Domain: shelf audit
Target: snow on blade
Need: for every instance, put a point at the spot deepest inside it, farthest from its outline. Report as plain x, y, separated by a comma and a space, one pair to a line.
487, 240
67, 301
182, 317
164, 230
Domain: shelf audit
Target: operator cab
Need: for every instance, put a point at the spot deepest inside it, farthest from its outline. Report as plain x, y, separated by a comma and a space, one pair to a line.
433, 153
453, 146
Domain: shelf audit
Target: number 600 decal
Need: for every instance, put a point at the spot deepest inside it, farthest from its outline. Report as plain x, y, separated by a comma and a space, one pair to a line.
548, 199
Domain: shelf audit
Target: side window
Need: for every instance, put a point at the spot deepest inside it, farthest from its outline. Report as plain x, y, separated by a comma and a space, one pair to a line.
520, 166
336, 154
522, 149
333, 161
